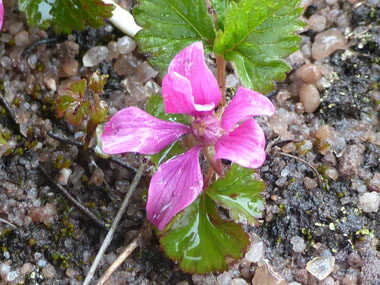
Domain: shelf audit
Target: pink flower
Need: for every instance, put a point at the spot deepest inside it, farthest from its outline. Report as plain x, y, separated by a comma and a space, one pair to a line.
1, 14
189, 88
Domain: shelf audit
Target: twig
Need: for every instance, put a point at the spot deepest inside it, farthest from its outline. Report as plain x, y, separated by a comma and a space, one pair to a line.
307, 163
80, 145
8, 223
111, 231
119, 260
68, 196
29, 49
64, 140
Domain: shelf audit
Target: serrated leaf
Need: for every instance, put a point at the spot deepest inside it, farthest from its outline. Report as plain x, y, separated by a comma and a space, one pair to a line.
156, 108
171, 25
96, 82
258, 35
65, 15
240, 192
199, 240
72, 105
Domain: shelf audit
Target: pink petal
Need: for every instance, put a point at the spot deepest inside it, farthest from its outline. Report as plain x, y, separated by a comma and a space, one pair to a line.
133, 130
245, 104
178, 98
1, 14
174, 186
191, 65
245, 145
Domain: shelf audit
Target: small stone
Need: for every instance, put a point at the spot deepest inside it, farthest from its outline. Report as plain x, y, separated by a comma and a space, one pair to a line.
369, 202
350, 162
50, 83
327, 42
256, 252
309, 73
265, 275
317, 23
70, 67
64, 175
322, 133
26, 268
97, 177
94, 56
224, 279
298, 244
282, 96
355, 260
351, 277
374, 184
15, 27
145, 72
309, 97
332, 173
310, 183
321, 267
49, 271
290, 147
296, 59
113, 50
125, 65
239, 281
301, 276
125, 45
22, 39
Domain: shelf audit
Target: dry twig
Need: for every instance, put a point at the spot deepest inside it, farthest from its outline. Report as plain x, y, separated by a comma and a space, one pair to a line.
68, 196
119, 260
8, 223
115, 223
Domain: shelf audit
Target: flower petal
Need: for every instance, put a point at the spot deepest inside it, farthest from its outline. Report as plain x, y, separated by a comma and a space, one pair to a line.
246, 103
178, 98
245, 145
174, 186
190, 64
1, 14
133, 130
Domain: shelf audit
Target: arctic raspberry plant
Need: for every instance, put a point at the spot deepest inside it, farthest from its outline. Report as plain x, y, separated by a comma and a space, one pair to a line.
190, 122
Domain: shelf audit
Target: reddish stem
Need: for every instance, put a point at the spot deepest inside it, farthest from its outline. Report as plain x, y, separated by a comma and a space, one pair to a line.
221, 69
207, 179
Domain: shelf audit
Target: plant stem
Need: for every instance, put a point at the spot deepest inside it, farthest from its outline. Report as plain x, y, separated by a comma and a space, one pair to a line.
207, 179
123, 20
217, 167
221, 68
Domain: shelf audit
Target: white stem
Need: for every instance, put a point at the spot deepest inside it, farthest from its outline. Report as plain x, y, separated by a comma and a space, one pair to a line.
123, 20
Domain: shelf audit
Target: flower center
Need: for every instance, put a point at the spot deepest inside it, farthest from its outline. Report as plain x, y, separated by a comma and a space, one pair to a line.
207, 129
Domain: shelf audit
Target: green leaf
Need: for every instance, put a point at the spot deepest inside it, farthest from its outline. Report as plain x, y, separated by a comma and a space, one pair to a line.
167, 153
240, 192
171, 25
199, 240
156, 108
220, 7
65, 15
258, 35
96, 82
72, 105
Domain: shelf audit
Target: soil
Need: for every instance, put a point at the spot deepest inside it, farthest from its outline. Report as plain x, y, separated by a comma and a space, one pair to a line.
50, 242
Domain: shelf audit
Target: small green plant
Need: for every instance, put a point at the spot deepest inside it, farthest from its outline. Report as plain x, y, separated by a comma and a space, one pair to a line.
76, 108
